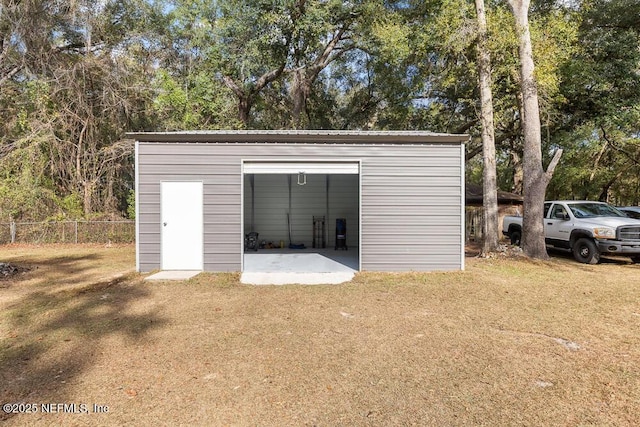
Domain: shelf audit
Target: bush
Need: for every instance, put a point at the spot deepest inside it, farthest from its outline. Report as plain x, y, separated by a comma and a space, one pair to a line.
131, 205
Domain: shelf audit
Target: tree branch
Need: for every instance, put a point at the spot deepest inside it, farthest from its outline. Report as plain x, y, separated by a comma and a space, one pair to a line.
10, 74
231, 84
269, 77
552, 165
630, 156
323, 60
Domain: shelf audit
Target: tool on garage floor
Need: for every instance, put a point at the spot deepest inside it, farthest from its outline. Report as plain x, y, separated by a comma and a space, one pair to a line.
251, 241
319, 240
341, 234
291, 244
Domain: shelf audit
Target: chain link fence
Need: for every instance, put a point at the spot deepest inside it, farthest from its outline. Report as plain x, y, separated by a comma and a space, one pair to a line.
68, 232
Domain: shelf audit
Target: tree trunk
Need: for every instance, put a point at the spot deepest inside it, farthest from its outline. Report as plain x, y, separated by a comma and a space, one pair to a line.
596, 162
246, 97
244, 108
489, 186
300, 91
604, 194
535, 179
87, 194
305, 74
516, 160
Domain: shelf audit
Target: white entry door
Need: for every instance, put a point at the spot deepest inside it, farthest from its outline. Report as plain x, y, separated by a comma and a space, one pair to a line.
181, 217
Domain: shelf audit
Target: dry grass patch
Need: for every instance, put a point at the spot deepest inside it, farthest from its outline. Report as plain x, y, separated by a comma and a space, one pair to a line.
508, 341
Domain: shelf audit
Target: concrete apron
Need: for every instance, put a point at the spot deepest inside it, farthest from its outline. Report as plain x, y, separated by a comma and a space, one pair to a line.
174, 275
269, 267
250, 278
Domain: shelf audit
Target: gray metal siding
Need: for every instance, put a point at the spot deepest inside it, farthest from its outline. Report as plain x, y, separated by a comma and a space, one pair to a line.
411, 210
411, 200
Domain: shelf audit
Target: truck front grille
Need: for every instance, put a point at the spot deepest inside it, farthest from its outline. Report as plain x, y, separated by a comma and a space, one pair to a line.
629, 233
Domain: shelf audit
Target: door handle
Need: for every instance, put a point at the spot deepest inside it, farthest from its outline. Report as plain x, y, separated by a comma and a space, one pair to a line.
549, 223
164, 223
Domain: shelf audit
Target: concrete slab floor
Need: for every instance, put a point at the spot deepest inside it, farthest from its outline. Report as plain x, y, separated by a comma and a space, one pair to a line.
301, 261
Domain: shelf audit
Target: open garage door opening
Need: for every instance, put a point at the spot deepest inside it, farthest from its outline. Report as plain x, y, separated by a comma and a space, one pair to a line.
301, 217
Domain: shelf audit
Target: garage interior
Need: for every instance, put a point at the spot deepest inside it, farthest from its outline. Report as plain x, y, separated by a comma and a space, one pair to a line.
295, 216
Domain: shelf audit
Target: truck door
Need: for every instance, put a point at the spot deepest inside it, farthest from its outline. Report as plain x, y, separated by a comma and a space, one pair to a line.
557, 226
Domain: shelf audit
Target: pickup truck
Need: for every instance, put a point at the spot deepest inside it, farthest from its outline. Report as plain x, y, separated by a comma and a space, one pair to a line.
587, 229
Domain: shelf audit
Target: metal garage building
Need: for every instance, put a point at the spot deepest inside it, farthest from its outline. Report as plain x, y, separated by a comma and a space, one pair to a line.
198, 193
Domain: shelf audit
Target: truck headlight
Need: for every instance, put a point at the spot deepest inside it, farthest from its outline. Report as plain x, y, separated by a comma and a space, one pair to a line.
604, 233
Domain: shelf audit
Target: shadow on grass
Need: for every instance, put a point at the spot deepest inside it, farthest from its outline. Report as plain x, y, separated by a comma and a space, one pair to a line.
70, 269
605, 259
50, 339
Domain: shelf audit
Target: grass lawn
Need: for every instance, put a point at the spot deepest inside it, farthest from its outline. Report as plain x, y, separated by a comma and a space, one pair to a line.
509, 341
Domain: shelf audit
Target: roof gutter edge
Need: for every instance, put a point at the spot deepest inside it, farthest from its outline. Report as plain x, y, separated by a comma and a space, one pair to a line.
318, 137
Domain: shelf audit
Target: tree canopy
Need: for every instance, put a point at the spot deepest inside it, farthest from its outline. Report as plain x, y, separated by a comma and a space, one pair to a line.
93, 71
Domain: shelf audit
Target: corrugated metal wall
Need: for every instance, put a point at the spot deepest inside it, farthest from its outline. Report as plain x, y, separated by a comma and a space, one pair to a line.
411, 208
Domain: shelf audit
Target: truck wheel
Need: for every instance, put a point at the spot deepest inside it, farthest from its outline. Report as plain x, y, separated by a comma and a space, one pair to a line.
515, 237
636, 259
585, 251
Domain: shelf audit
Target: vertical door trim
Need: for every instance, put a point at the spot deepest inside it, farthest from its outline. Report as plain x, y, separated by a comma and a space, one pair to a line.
136, 171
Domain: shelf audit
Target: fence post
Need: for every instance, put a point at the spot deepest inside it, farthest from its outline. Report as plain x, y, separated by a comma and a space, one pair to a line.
12, 230
76, 222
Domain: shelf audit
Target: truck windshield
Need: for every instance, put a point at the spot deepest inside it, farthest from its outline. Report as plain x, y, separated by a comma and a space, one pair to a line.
590, 210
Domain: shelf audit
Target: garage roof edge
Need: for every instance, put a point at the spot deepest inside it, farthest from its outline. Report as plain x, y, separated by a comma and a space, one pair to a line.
300, 136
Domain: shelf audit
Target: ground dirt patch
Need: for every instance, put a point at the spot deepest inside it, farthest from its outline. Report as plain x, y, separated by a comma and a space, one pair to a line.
7, 271
509, 341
